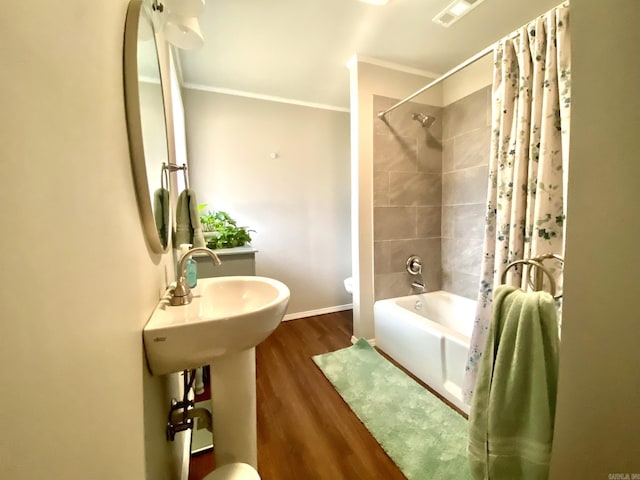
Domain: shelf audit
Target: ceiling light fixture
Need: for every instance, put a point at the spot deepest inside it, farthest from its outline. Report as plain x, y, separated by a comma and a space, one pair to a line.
459, 8
455, 11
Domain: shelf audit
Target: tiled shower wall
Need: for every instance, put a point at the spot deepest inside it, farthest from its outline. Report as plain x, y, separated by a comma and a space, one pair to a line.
466, 134
430, 194
407, 197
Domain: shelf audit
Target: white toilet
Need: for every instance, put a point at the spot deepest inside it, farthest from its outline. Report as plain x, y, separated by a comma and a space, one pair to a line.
234, 471
348, 285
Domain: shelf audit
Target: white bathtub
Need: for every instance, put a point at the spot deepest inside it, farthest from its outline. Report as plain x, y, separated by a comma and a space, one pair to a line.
429, 335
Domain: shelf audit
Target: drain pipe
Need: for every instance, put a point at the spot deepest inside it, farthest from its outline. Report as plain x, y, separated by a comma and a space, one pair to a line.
182, 413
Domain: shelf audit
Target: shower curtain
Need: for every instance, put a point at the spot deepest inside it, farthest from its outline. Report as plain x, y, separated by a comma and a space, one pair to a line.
528, 162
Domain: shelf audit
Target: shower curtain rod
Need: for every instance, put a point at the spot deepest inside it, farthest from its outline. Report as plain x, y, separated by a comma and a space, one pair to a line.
466, 63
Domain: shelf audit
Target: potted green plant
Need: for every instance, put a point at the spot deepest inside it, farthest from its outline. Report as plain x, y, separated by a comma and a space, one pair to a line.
227, 232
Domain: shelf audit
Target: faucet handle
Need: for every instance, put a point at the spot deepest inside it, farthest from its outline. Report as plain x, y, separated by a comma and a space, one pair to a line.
414, 265
181, 294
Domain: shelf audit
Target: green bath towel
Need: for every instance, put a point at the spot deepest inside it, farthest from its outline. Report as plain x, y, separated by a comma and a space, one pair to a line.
188, 226
513, 408
161, 214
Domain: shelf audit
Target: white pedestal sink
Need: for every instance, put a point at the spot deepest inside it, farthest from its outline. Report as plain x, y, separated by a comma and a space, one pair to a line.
226, 319
233, 408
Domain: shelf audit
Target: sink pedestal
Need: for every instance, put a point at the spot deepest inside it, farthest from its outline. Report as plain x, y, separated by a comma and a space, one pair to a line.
233, 407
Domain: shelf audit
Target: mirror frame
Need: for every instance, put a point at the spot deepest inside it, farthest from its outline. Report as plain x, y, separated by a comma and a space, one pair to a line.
134, 127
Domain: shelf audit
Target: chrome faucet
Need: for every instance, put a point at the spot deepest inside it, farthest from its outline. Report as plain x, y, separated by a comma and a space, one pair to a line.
182, 293
414, 267
419, 284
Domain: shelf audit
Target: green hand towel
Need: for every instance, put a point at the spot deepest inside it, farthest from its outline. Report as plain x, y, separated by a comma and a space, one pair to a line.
513, 408
188, 226
161, 214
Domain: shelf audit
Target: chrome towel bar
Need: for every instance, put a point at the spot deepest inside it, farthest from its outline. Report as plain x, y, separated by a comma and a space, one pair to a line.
535, 266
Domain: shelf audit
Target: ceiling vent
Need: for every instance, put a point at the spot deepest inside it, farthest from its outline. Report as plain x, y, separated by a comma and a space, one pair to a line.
455, 11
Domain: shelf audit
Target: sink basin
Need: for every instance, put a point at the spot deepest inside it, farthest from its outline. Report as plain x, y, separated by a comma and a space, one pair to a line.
226, 315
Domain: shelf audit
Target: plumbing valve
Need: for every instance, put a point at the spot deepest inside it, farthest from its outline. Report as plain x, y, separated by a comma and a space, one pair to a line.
414, 265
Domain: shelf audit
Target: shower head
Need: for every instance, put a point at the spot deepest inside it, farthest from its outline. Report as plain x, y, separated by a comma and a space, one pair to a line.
425, 120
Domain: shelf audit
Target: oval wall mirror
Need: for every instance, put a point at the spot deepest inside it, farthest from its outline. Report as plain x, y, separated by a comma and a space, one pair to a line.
146, 125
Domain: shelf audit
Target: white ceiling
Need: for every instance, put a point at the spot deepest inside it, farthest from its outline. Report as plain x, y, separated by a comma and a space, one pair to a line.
298, 49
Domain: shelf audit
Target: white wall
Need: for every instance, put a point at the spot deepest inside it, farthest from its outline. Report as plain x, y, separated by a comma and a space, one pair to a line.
298, 202
366, 80
468, 80
598, 417
79, 281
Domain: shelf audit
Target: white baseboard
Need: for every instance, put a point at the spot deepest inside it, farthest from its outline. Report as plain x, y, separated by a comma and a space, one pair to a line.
372, 341
320, 311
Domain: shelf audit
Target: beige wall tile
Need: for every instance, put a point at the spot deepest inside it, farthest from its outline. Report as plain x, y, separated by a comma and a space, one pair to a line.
415, 189
394, 153
380, 188
465, 186
471, 149
429, 222
468, 113
392, 223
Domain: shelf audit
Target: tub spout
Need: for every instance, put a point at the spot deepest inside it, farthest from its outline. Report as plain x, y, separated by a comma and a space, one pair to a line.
419, 285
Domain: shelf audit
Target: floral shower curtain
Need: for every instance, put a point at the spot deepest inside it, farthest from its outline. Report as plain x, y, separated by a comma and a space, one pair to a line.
528, 163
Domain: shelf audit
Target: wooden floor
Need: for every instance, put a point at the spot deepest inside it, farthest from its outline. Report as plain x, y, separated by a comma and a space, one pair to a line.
305, 429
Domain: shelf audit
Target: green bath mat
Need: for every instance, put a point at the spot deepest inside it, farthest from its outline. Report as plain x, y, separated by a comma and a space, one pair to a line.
425, 438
